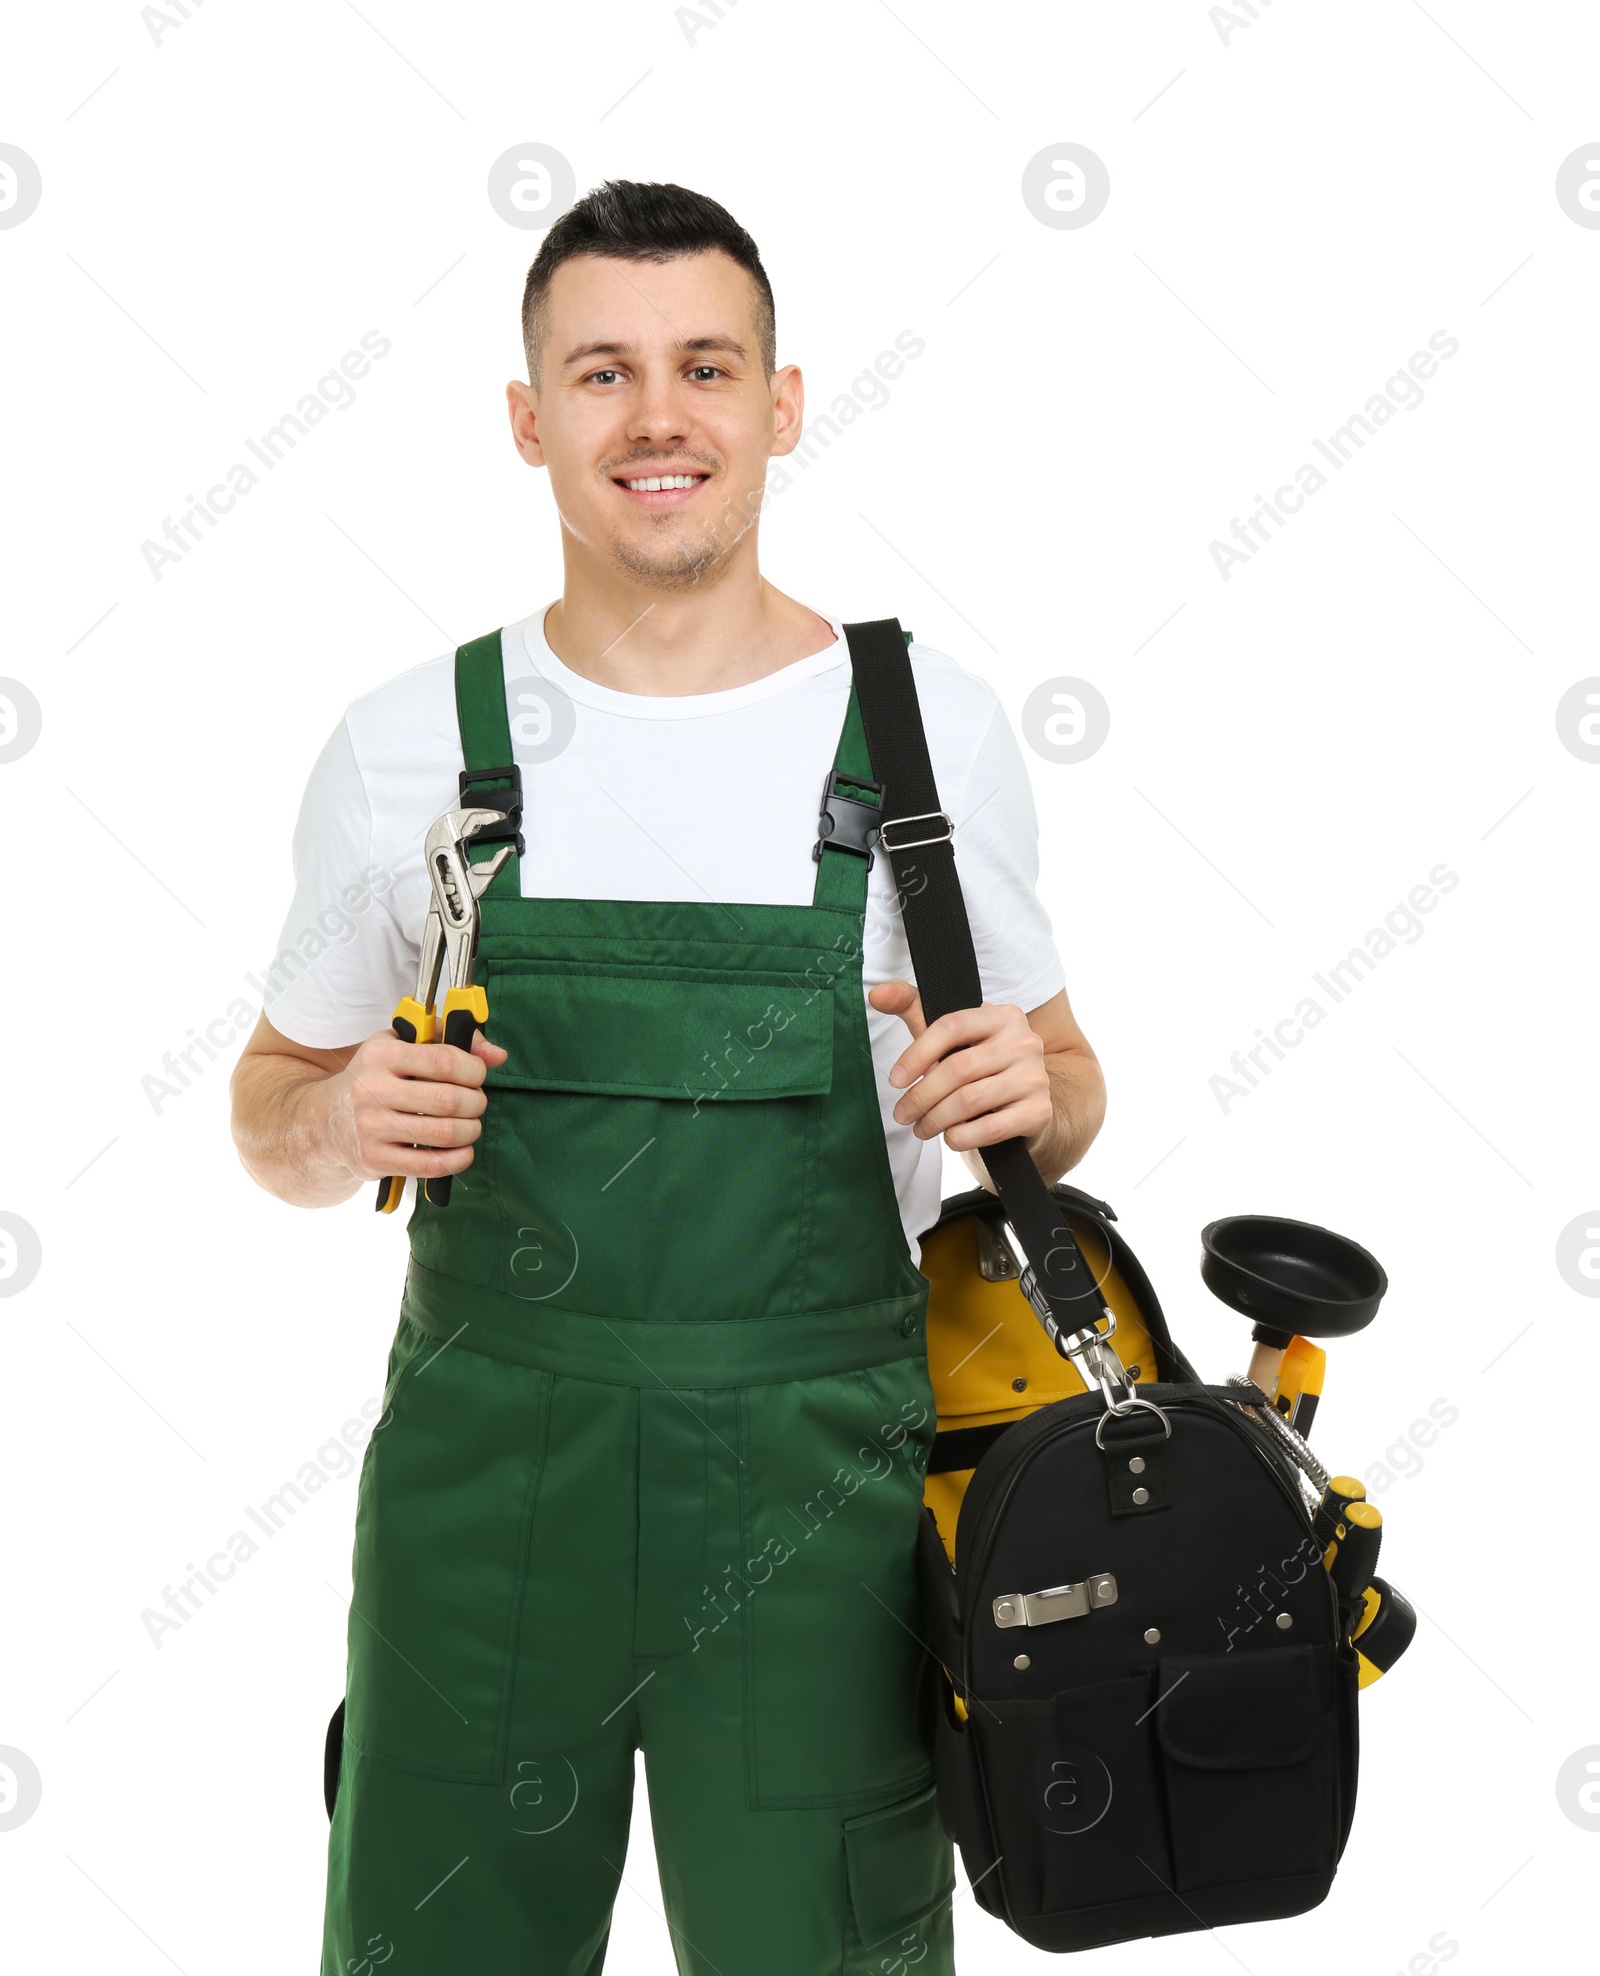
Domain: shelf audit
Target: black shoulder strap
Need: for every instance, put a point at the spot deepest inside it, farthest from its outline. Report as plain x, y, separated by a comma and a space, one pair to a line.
917, 836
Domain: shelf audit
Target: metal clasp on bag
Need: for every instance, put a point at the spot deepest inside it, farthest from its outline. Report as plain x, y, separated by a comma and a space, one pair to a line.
1087, 1348
1101, 1367
1059, 1602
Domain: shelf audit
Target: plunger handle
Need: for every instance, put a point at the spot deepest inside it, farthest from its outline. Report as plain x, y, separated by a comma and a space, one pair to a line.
1266, 1361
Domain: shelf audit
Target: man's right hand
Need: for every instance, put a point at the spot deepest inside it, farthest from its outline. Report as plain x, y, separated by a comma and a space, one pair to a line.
312, 1125
410, 1108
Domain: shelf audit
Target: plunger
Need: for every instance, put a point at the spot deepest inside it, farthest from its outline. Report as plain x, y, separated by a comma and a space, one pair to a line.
1290, 1277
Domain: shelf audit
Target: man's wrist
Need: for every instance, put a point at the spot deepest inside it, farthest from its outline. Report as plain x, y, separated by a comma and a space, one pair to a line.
294, 1145
1077, 1111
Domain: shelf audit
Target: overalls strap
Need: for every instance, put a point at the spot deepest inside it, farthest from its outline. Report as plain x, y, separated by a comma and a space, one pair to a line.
842, 874
486, 744
487, 754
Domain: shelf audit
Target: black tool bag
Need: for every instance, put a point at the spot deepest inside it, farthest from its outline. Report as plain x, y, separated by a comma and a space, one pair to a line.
1145, 1710
1160, 1720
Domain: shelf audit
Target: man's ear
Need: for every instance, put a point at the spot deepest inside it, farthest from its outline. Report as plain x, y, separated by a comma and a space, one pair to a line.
788, 410
522, 407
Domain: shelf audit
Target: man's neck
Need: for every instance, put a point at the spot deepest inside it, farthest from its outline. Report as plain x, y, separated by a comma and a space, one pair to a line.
667, 644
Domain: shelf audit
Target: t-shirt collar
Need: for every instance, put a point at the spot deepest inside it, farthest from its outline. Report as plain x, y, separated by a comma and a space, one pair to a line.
676, 706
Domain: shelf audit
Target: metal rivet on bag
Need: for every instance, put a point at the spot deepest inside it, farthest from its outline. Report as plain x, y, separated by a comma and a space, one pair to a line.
1022, 1660
1134, 1371
1284, 1621
1019, 1385
1136, 1466
1141, 1496
1152, 1636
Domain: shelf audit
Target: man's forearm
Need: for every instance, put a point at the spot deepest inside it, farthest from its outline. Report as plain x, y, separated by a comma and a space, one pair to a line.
1077, 1111
286, 1132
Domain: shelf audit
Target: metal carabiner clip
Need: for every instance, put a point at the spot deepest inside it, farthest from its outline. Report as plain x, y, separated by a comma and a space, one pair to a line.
1088, 1348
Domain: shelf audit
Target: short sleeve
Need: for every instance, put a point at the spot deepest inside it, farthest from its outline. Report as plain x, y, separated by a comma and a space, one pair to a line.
997, 857
342, 961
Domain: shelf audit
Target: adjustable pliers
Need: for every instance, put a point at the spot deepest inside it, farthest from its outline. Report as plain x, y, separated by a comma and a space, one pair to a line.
449, 949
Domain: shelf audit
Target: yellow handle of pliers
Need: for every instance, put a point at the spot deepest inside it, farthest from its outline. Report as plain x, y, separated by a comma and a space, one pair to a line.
412, 1024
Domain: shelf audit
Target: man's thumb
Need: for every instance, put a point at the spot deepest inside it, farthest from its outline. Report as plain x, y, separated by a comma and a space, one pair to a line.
902, 999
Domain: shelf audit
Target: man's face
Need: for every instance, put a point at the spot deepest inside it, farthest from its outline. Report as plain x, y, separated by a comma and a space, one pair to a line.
651, 370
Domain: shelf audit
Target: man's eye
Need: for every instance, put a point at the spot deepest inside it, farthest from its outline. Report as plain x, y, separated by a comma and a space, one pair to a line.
706, 370
596, 376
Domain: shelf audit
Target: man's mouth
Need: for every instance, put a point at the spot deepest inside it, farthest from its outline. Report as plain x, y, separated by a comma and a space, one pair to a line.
660, 490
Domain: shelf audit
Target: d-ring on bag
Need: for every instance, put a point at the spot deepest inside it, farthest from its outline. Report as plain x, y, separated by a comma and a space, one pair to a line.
1142, 1687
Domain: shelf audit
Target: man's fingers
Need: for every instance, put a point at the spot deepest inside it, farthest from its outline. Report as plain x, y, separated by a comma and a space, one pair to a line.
950, 1032
984, 1059
402, 1127
414, 1145
971, 1099
420, 1161
1003, 1107
399, 1126
1011, 1122
437, 1063
428, 1098
416, 1109
379, 1096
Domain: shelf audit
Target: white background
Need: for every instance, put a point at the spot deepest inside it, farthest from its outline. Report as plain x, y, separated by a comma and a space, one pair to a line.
1290, 752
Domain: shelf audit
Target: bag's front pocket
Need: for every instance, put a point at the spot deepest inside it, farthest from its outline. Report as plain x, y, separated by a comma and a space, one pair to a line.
1076, 1790
831, 1493
442, 1520
1249, 1742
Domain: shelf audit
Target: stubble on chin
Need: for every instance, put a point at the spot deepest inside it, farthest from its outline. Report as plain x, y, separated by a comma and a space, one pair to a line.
687, 565
677, 569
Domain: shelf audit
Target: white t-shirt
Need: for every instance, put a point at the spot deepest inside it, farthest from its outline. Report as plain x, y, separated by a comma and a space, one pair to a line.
697, 796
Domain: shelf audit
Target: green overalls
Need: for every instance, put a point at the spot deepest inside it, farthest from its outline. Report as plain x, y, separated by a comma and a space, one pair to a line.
651, 1465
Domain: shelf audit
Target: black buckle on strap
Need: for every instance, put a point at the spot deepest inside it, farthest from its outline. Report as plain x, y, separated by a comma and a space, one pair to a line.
476, 797
848, 823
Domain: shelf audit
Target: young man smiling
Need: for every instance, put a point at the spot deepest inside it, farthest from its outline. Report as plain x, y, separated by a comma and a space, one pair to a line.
658, 1405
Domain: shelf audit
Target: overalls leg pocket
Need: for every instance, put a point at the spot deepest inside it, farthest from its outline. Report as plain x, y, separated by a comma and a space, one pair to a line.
831, 1483
901, 1873
442, 1521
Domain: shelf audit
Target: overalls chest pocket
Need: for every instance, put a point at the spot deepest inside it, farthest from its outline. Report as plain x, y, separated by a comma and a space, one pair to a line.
688, 1195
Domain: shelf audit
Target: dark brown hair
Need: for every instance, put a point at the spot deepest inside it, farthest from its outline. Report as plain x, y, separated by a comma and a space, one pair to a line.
627, 220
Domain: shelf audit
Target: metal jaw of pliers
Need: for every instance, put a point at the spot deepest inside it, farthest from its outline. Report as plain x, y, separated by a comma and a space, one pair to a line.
449, 951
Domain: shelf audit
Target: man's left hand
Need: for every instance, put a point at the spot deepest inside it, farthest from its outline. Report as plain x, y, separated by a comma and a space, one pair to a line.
976, 1075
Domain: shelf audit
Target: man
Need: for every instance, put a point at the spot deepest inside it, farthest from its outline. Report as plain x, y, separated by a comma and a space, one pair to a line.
658, 1406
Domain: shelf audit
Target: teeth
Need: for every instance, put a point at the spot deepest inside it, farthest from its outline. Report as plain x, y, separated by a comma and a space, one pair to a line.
657, 482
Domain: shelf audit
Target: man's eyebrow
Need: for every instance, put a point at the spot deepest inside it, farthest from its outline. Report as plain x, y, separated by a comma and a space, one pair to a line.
730, 345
